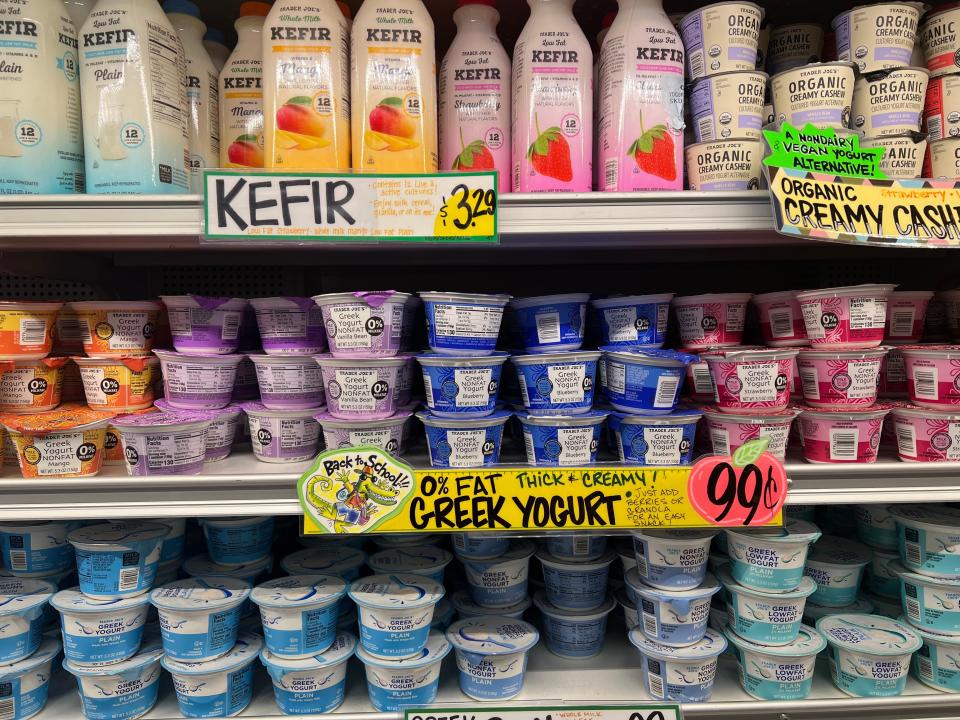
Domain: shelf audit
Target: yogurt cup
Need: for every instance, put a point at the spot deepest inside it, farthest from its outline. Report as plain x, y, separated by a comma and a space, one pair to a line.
168, 572
631, 615
781, 321
714, 320
115, 329
940, 42
461, 386
721, 37
933, 375
464, 442
728, 431
574, 634
794, 45
846, 317
386, 434
245, 386
463, 323
752, 382
928, 538
360, 388
886, 607
819, 93
473, 545
396, 684
906, 313
28, 680
500, 582
643, 381
813, 612
869, 655
172, 443
877, 37
931, 603
222, 431
119, 384
290, 325
879, 578
724, 165
782, 673
289, 383
728, 105
424, 560
204, 325
26, 331
122, 691
941, 110
339, 560
363, 324
492, 655
575, 547
672, 617
252, 573
575, 586
395, 613
837, 565
465, 607
943, 163
100, 632
672, 559
876, 526
655, 439
31, 386
282, 436
66, 442
842, 435
556, 441
199, 616
634, 319
218, 688
765, 618
299, 613
771, 559
22, 603
443, 616
36, 548
836, 379
892, 382
925, 435
117, 560
903, 155
935, 663
889, 102
557, 383
312, 685
234, 541
551, 323
679, 674
198, 382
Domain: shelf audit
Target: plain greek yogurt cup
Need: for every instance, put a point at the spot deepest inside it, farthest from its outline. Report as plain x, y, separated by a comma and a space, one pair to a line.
502, 581
679, 674
672, 617
640, 320
22, 603
728, 105
395, 613
465, 607
289, 383
852, 317
751, 381
396, 684
869, 654
198, 382
479, 545
842, 435
781, 321
28, 680
463, 323
359, 388
556, 441
204, 325
641, 381
940, 42
217, 688
771, 559
928, 538
721, 37
725, 165
557, 383
879, 36
876, 526
100, 632
782, 673
363, 324
199, 617
464, 442
837, 565
765, 618
164, 443
121, 691
728, 431
117, 560
931, 603
903, 155
290, 325
551, 323
672, 559
492, 655
339, 560
651, 440
461, 386
575, 547
575, 585
299, 613
935, 664
386, 434
574, 634
714, 320
423, 560
313, 685
36, 548
282, 436
233, 541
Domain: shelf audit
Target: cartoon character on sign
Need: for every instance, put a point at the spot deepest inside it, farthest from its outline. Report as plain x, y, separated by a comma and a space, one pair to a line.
355, 502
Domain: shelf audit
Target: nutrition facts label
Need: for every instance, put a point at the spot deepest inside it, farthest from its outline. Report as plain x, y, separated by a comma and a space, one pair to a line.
467, 320
166, 77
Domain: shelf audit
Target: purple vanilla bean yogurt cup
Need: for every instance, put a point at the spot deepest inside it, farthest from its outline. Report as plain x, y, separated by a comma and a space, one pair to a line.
289, 382
360, 388
198, 382
290, 325
364, 323
283, 436
164, 443
204, 325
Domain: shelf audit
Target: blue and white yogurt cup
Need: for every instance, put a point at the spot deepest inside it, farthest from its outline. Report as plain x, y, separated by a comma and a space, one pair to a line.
98, 632
26, 683
335, 559
771, 558
862, 606
634, 320
253, 573
784, 672
930, 603
876, 526
655, 439
672, 617
765, 618
557, 383
425, 560
928, 538
465, 607
199, 617
238, 540
36, 549
313, 685
557, 441
837, 565
679, 674
299, 613
218, 688
463, 323
936, 663
574, 634
492, 655
409, 682
642, 381
116, 560
575, 586
464, 442
575, 547
551, 323
396, 611
479, 545
22, 605
120, 691
879, 578
502, 581
462, 386
672, 559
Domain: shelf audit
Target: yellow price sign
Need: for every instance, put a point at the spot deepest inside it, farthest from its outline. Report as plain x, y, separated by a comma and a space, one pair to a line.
469, 211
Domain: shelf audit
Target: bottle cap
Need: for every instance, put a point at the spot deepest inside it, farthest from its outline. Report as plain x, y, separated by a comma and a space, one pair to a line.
184, 7
488, 3
345, 9
254, 8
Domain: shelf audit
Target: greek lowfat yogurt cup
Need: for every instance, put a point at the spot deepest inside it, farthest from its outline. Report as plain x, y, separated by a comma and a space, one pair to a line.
771, 559
877, 37
724, 165
642, 381
464, 442
386, 434
926, 435
778, 673
461, 386
289, 383
672, 617
36, 548
889, 102
312, 685
633, 319
396, 684
360, 388
842, 435
120, 691
933, 375
22, 603
851, 317
935, 664
462, 323
299, 613
555, 441
492, 655
837, 565
117, 560
876, 526
840, 378
679, 674
31, 386
781, 320
290, 325
714, 320
557, 383
794, 45
721, 37
424, 560
395, 613
728, 105
204, 325
752, 382
198, 382
502, 581
655, 439
28, 680
931, 603
164, 443
235, 541
879, 577
672, 559
465, 607
928, 538
363, 324
940, 41
903, 155
819, 93
282, 436
765, 618
100, 632
575, 634
575, 585
728, 431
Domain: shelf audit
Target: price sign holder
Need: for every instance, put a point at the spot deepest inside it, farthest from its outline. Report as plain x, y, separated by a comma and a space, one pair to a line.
364, 490
634, 711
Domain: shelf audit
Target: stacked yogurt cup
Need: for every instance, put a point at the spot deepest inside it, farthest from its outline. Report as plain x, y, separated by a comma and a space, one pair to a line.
941, 112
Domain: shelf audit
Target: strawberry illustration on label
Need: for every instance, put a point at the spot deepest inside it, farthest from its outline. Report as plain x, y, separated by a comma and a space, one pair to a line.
653, 152
245, 151
550, 154
475, 156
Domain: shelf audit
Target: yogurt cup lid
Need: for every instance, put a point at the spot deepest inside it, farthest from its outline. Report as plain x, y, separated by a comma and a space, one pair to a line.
398, 418
417, 559
591, 417
48, 650
171, 419
934, 351
650, 356
478, 298
221, 414
750, 354
199, 358
255, 407
821, 353
925, 413
201, 593
343, 647
305, 360
135, 363
708, 587
778, 295
203, 301
548, 608
926, 633
373, 298
907, 574
328, 360
74, 601
926, 514
271, 303
396, 590
622, 300
435, 650
299, 591
150, 652
464, 605
712, 297
437, 360
69, 416
520, 303
118, 533
332, 560
201, 565
548, 558
709, 646
794, 530
833, 550
873, 634
860, 606
492, 635
569, 356
244, 652
847, 290
20, 594
497, 417
674, 534
712, 413
518, 550
807, 587
808, 642
680, 416
877, 410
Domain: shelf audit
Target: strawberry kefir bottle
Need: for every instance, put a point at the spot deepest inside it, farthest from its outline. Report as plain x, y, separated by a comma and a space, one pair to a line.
552, 102
641, 101
475, 95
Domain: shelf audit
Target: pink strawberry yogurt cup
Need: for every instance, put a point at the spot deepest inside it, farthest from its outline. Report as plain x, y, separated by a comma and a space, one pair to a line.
892, 382
925, 435
888, 435
363, 324
728, 431
714, 320
360, 388
936, 327
951, 305
781, 321
840, 378
906, 312
846, 317
699, 382
752, 382
841, 436
933, 375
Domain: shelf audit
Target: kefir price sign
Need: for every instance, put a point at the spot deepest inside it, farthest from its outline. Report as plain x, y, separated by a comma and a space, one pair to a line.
652, 711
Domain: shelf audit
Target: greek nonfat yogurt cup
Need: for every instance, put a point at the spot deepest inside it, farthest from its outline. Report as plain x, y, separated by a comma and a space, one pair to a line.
461, 386
26, 329
282, 436
386, 434
557, 383
492, 655
933, 375
299, 613
655, 439
22, 602
892, 382
680, 674
771, 559
363, 324
465, 607
555, 441
575, 585
935, 664
198, 382
752, 382
728, 105
721, 37
765, 618
575, 634
943, 158
727, 164
233, 541
99, 632
245, 386
781, 320
794, 45
778, 673
575, 547
360, 388
837, 564
115, 328
714, 320
479, 545
395, 613
903, 155
312, 685
204, 325
120, 384
464, 442
502, 581
643, 381
842, 435
117, 560
551, 323
224, 426
31, 386
926, 435
928, 538
28, 680
877, 37
423, 560
819, 93
289, 383
164, 443
290, 325
672, 617
906, 313
218, 688
928, 602
396, 684
728, 431
876, 526
846, 317
941, 111
121, 691
633, 319
889, 102
672, 559
36, 548
869, 655
840, 378
66, 442
339, 560
940, 41
462, 323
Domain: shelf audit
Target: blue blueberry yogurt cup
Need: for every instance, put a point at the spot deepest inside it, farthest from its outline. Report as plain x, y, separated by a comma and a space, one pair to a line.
492, 655
558, 441
575, 586
116, 560
502, 581
36, 549
26, 683
642, 381
238, 540
672, 617
218, 688
97, 632
393, 685
679, 674
313, 685
557, 383
672, 559
784, 672
551, 323
762, 617
462, 386
463, 323
299, 613
633, 320
425, 560
464, 442
655, 439
837, 565
396, 611
120, 691
574, 634
22, 604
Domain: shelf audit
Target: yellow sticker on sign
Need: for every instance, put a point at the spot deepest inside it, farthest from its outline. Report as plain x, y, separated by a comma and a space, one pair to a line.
468, 212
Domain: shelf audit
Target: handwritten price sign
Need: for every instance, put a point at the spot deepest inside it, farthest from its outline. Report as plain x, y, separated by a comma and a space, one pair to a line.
470, 211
